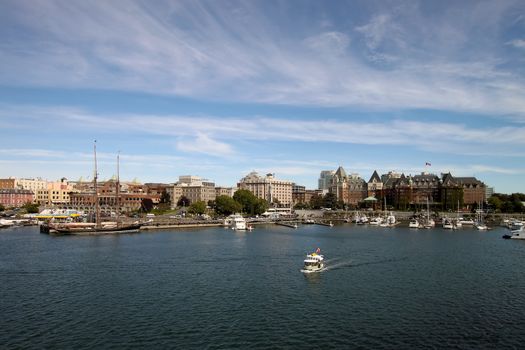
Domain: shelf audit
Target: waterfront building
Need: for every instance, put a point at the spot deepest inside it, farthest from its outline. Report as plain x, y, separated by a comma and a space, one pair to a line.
224, 191
339, 185
55, 193
156, 189
325, 179
374, 185
473, 191
14, 197
357, 189
9, 183
194, 188
268, 187
32, 185
298, 194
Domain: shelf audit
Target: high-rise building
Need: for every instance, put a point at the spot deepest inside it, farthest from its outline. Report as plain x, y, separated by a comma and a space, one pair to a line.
325, 179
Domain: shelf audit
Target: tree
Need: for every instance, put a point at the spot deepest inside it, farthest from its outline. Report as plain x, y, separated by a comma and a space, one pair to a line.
199, 208
146, 205
301, 205
260, 206
225, 205
2, 208
330, 200
31, 208
495, 203
316, 202
165, 197
250, 204
183, 202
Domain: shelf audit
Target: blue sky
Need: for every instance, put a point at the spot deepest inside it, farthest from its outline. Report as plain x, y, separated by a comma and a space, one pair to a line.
221, 88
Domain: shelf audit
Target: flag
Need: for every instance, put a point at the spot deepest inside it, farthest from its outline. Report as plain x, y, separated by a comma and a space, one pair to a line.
427, 163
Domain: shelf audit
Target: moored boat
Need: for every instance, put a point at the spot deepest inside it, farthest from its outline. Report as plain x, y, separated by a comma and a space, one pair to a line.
238, 223
413, 223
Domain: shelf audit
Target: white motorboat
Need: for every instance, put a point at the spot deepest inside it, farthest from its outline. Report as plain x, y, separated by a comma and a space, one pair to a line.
516, 234
413, 223
238, 223
447, 224
481, 226
376, 221
314, 261
6, 223
466, 221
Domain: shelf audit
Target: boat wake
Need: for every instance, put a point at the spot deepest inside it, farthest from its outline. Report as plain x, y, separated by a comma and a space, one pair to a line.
338, 263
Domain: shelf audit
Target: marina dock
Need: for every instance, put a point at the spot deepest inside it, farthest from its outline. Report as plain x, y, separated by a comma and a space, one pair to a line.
287, 224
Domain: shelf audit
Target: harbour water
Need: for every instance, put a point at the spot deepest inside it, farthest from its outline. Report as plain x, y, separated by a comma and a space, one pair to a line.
215, 288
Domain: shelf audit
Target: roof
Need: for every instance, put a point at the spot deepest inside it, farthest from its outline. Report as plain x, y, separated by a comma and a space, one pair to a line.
341, 173
375, 176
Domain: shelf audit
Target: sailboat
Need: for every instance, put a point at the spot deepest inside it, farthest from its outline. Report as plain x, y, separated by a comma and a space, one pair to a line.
429, 222
99, 227
458, 223
479, 220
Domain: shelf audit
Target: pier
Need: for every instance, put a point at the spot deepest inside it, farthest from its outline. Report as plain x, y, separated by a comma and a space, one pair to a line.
324, 223
287, 224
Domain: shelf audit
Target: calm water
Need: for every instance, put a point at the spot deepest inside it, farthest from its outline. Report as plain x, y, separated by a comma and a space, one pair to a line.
217, 289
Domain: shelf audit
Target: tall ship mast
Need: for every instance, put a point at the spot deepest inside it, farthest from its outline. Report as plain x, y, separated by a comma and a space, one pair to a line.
95, 194
117, 191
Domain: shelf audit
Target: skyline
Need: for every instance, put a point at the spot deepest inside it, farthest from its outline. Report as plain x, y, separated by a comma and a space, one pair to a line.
220, 89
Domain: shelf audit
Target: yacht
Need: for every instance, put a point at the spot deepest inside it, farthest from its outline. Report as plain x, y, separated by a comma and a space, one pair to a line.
429, 223
376, 221
413, 223
447, 224
516, 234
238, 223
6, 223
466, 221
314, 261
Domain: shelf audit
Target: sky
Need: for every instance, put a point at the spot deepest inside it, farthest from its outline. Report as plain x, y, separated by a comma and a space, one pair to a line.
218, 89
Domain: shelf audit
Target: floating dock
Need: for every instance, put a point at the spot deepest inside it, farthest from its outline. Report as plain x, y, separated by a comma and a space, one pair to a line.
287, 224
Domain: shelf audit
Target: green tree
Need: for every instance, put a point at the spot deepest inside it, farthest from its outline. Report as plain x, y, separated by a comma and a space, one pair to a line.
31, 208
330, 200
2, 208
183, 201
246, 199
165, 197
495, 202
260, 206
146, 205
225, 205
199, 207
316, 202
300, 206
250, 204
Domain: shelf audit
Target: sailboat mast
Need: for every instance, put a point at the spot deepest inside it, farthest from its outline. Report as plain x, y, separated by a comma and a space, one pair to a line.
117, 191
95, 176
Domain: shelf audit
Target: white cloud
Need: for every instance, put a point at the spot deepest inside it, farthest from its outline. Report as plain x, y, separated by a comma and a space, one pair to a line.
329, 43
205, 144
518, 43
215, 51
